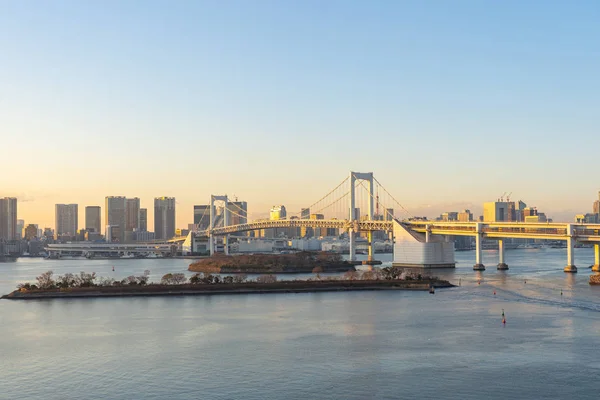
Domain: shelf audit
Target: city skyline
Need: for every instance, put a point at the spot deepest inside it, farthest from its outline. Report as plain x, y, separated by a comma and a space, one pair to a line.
431, 212
450, 105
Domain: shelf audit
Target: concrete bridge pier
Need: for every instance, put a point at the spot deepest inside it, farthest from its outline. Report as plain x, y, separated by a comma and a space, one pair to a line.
370, 245
501, 264
596, 266
211, 244
351, 244
570, 250
478, 249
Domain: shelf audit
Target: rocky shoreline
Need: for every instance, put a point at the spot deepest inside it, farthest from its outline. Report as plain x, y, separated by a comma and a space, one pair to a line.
241, 288
303, 262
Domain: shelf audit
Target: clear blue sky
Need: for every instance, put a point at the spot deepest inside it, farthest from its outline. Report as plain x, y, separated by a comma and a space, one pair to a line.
449, 103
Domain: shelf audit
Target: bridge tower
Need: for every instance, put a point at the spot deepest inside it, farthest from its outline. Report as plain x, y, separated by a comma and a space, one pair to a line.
364, 176
213, 217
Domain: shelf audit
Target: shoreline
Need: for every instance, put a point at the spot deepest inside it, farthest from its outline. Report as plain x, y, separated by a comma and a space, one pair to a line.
225, 289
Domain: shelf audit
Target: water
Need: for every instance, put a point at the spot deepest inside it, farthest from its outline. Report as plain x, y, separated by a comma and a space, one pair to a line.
359, 345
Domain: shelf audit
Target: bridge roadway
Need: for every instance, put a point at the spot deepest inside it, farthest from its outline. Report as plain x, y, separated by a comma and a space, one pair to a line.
583, 233
109, 248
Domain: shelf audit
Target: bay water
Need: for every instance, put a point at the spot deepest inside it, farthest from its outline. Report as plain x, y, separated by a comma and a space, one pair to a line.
355, 345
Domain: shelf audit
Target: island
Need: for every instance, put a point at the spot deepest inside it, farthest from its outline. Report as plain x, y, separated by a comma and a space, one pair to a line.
301, 262
87, 285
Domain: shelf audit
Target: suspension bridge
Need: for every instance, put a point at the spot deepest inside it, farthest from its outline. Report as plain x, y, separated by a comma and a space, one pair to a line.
360, 203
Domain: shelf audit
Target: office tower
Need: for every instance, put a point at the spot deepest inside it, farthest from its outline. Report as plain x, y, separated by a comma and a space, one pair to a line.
143, 220
389, 214
277, 212
31, 232
8, 218
93, 219
202, 216
20, 227
132, 211
465, 216
114, 211
238, 212
164, 217
66, 219
304, 213
498, 211
318, 232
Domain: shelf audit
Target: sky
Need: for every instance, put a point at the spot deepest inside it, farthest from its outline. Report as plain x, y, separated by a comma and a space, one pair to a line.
448, 103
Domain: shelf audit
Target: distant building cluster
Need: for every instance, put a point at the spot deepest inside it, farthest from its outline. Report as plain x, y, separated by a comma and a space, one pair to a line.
590, 218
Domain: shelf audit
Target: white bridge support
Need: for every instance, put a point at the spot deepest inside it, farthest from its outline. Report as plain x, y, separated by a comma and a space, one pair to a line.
213, 217
596, 266
478, 248
570, 250
501, 263
364, 176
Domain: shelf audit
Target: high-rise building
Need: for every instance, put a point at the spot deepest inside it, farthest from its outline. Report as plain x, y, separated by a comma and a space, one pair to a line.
132, 214
66, 220
143, 220
497, 211
389, 214
114, 211
277, 212
20, 227
164, 217
318, 232
31, 232
238, 212
596, 205
8, 218
304, 213
202, 216
465, 216
93, 219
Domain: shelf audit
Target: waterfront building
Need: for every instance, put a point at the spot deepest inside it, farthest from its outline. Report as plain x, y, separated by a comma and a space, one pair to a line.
144, 236
20, 227
389, 214
449, 216
277, 213
465, 216
587, 218
497, 211
304, 213
114, 209
238, 212
93, 219
109, 235
318, 232
48, 234
202, 216
31, 232
132, 211
164, 217
66, 217
143, 219
8, 218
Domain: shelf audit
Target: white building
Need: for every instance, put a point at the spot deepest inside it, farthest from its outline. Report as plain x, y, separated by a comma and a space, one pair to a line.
414, 249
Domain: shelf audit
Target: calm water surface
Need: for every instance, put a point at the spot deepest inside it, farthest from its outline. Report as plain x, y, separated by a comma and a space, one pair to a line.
360, 345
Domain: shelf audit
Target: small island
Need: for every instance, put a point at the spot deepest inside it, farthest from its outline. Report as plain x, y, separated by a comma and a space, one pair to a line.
301, 262
87, 285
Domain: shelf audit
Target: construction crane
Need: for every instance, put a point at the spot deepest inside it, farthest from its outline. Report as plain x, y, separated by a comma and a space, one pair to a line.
508, 197
502, 197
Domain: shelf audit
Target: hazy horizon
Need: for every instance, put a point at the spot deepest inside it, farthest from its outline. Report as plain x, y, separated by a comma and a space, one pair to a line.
449, 104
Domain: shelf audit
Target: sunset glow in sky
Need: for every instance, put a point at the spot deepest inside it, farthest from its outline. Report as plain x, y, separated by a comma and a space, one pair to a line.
449, 103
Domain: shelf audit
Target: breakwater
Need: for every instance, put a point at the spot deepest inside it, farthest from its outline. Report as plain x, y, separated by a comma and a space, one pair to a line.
241, 288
